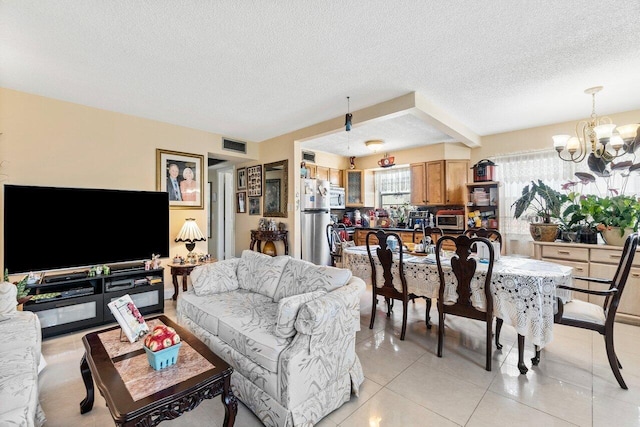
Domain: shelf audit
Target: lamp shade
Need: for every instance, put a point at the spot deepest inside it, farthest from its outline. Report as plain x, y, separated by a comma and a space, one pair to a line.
190, 232
374, 145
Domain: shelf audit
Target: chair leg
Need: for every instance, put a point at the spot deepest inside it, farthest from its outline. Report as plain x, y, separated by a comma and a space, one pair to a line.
499, 322
521, 366
613, 360
373, 310
428, 317
535, 361
440, 332
389, 302
489, 344
404, 319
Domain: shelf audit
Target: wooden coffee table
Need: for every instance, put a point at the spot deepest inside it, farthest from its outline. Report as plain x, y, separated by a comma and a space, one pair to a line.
136, 394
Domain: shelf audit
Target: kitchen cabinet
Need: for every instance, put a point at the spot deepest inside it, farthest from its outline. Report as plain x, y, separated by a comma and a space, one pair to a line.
322, 173
488, 210
439, 182
335, 177
311, 171
598, 261
354, 190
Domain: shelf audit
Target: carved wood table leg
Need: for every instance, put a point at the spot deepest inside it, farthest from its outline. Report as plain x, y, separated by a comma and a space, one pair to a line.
184, 280
175, 285
499, 323
87, 404
230, 403
535, 360
521, 366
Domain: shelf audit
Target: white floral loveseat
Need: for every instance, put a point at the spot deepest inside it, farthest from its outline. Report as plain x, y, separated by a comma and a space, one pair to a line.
19, 361
288, 329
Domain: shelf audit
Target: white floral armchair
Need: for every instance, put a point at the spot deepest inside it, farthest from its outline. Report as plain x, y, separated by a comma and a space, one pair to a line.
288, 329
19, 360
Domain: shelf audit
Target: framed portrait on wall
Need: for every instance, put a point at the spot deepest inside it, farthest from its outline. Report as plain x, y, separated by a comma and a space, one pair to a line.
254, 205
182, 176
254, 181
242, 179
241, 202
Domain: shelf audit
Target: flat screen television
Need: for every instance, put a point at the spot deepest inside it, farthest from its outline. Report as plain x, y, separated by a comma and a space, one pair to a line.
50, 228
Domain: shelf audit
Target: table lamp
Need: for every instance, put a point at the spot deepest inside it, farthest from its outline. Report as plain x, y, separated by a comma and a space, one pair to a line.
190, 234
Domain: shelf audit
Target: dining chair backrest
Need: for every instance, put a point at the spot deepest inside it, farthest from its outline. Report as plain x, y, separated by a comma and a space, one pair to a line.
334, 236
463, 266
620, 277
384, 255
434, 232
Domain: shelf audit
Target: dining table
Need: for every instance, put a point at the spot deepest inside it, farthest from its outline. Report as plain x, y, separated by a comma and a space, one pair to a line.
524, 290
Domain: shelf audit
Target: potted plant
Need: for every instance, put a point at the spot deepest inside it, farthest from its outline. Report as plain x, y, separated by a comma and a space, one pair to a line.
617, 217
545, 203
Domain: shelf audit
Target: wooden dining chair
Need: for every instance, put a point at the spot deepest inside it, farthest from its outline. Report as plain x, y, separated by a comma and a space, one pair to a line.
600, 319
434, 232
490, 233
463, 267
385, 285
334, 239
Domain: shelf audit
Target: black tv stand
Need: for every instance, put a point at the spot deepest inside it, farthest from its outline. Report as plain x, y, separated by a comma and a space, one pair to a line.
75, 301
130, 266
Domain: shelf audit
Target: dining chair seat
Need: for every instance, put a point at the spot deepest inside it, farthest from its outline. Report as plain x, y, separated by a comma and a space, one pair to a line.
584, 311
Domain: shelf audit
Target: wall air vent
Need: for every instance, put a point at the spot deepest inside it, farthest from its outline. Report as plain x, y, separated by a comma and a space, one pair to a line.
237, 146
309, 156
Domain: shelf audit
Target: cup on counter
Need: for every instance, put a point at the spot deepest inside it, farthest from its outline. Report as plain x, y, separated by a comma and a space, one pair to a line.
392, 243
419, 247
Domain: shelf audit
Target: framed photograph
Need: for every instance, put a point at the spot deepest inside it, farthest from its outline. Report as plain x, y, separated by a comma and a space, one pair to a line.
242, 179
272, 195
182, 176
254, 181
241, 202
254, 205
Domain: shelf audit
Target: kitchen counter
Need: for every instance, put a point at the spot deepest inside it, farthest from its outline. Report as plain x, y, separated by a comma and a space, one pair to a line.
406, 235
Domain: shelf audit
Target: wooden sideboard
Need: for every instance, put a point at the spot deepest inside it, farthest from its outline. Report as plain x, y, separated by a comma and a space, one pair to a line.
259, 236
598, 261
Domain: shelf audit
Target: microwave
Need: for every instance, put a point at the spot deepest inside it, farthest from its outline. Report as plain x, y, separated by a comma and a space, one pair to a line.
336, 198
450, 221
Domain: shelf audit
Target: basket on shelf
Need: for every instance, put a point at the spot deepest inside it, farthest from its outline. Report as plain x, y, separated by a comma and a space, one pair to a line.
163, 358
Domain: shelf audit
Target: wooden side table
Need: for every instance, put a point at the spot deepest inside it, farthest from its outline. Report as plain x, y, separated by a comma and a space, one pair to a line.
183, 270
259, 236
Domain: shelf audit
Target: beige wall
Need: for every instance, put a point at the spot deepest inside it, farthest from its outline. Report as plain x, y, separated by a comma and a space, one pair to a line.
50, 142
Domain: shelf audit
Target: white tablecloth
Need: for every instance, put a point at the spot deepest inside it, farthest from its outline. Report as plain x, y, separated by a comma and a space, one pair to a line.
524, 290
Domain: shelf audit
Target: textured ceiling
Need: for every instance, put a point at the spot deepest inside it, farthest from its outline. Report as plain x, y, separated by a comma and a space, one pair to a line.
255, 70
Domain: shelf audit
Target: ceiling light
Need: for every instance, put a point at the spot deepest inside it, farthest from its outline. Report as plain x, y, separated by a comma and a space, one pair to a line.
374, 145
606, 141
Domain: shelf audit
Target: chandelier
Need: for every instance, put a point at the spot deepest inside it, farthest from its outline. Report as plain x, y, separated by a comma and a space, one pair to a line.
605, 140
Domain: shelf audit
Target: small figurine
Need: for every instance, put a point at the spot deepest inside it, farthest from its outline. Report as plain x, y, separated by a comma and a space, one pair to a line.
352, 162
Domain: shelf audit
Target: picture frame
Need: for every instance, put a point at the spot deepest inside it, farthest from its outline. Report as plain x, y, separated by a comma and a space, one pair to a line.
241, 202
187, 190
254, 181
272, 189
254, 205
241, 179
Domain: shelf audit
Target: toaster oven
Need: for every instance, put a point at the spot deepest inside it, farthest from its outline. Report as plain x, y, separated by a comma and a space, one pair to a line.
451, 220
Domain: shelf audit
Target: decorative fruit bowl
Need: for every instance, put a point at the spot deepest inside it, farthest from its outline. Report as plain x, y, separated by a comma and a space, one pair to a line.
162, 346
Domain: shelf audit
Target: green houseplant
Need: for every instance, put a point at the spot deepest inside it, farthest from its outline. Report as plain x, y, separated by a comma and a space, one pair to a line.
616, 216
544, 203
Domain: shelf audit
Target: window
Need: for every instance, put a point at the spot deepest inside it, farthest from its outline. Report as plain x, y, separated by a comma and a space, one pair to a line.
393, 187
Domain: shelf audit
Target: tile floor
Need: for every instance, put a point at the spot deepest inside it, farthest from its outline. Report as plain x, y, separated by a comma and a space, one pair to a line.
408, 385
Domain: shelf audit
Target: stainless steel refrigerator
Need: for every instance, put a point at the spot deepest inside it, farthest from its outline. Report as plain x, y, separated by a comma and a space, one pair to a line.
314, 218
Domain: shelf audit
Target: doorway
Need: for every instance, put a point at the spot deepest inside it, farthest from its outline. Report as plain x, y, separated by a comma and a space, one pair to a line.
221, 243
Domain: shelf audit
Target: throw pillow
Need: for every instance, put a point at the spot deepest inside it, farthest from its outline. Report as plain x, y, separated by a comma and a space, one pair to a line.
288, 312
260, 273
301, 276
8, 302
215, 278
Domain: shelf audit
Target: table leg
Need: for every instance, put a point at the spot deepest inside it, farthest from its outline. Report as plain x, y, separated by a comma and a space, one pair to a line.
175, 286
87, 404
536, 360
230, 403
184, 281
521, 366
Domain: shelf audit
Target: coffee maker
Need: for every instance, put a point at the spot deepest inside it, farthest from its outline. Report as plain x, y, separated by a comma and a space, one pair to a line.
416, 218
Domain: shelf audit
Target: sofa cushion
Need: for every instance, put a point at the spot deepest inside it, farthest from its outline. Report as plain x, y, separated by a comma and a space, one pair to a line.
300, 277
214, 278
260, 273
243, 319
8, 302
288, 311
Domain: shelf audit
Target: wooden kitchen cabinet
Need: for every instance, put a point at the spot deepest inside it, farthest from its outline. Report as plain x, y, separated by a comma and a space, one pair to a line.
311, 171
598, 261
335, 177
322, 173
440, 182
355, 189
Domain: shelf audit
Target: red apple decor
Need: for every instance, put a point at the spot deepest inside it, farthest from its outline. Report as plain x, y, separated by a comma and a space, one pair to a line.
161, 346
